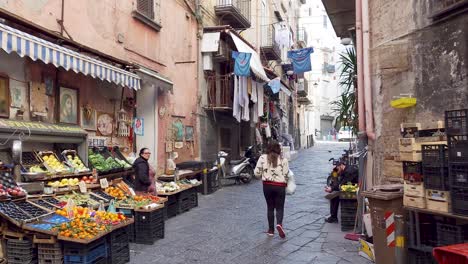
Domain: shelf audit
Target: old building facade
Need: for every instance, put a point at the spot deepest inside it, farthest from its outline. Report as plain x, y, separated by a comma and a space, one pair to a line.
417, 48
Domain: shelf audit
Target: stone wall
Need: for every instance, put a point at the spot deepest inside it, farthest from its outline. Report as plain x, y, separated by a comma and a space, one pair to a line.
411, 53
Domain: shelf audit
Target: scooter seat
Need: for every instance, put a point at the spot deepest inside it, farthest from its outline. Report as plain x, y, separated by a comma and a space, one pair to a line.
236, 162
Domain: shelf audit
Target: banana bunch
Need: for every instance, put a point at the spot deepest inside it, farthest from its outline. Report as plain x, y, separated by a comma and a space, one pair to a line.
349, 188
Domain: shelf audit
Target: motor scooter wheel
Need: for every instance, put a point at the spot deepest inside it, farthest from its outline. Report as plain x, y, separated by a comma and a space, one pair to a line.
246, 175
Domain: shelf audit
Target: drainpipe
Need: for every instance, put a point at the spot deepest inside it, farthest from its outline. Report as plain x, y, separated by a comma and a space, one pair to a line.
360, 67
367, 73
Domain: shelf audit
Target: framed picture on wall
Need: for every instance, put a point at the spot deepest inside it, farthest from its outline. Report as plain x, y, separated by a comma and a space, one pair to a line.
105, 124
4, 97
68, 105
88, 118
138, 126
48, 80
188, 133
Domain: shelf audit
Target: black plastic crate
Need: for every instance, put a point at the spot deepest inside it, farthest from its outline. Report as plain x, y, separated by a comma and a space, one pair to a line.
131, 232
420, 257
456, 122
459, 175
49, 253
458, 148
170, 210
434, 155
93, 252
149, 218
149, 236
412, 171
448, 234
420, 231
117, 239
436, 178
120, 256
459, 201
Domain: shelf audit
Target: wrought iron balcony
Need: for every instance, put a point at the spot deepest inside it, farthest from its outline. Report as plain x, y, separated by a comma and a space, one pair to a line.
302, 37
220, 92
269, 48
302, 88
235, 13
328, 68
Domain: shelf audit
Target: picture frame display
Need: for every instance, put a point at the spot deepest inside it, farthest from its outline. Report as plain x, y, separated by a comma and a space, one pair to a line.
68, 105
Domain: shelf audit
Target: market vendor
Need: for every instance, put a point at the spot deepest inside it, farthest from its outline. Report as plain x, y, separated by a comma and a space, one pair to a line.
144, 174
346, 174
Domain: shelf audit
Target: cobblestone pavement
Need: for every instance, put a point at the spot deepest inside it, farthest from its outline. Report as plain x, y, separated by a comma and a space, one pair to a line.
229, 226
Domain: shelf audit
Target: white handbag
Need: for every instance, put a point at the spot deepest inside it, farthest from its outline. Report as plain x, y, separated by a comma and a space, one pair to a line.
291, 188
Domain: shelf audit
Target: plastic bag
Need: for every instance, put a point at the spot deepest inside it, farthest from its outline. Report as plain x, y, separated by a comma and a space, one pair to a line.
111, 208
291, 188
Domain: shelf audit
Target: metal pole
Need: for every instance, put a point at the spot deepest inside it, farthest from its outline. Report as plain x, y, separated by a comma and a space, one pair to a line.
400, 254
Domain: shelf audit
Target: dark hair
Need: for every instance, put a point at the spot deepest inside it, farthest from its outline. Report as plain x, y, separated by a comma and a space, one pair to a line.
142, 151
273, 152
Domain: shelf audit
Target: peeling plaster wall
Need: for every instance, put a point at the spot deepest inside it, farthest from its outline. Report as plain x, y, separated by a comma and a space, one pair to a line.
412, 54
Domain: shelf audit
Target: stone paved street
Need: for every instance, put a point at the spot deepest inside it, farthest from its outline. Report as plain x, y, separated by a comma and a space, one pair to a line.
229, 225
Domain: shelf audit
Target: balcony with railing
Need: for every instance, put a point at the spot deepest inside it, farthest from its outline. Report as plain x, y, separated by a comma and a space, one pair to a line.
219, 92
328, 68
269, 48
302, 37
303, 91
235, 13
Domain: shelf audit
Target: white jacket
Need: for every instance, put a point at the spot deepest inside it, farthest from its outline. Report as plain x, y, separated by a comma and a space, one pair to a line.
268, 173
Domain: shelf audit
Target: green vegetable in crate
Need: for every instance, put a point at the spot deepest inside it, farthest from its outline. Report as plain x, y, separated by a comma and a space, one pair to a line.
98, 162
112, 163
123, 163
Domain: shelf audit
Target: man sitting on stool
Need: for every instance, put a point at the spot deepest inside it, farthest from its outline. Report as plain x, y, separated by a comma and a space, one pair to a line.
346, 174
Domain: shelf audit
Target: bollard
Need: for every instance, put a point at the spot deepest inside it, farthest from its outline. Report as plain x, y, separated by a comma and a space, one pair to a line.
400, 253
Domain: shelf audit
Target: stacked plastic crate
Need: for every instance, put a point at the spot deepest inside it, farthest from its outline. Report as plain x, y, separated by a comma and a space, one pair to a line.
456, 124
436, 177
149, 226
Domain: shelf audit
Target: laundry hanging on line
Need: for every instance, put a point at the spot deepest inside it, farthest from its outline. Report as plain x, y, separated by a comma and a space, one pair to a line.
275, 85
242, 63
301, 59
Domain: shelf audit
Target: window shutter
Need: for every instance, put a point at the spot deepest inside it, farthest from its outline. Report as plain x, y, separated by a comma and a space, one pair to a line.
146, 7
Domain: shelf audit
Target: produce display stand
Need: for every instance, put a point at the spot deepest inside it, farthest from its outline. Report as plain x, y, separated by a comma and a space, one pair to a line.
181, 200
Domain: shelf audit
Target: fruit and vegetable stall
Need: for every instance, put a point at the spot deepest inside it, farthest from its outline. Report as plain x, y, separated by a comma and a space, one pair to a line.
93, 223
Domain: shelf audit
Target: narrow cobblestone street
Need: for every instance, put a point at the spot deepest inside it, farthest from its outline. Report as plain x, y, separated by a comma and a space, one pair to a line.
228, 226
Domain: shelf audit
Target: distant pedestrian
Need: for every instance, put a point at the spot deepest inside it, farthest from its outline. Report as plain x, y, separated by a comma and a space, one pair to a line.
142, 171
274, 169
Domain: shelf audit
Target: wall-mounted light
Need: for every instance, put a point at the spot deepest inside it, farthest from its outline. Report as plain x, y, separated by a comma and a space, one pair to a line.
346, 41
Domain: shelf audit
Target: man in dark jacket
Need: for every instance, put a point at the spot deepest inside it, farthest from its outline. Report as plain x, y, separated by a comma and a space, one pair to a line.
346, 174
141, 167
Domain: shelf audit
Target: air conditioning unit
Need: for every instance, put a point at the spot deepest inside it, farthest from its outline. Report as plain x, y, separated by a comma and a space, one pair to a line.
223, 53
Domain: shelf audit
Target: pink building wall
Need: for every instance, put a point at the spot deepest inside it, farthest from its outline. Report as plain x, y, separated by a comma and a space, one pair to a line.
172, 51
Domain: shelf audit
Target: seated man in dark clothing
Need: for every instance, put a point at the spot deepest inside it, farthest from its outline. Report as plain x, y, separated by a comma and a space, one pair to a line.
346, 174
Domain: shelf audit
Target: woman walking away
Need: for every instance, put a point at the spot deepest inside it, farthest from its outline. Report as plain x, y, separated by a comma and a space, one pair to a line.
274, 172
142, 171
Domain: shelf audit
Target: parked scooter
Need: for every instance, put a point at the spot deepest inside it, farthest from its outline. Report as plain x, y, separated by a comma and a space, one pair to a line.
239, 170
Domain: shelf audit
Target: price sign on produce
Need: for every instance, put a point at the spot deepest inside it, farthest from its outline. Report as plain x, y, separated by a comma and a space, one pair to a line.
104, 183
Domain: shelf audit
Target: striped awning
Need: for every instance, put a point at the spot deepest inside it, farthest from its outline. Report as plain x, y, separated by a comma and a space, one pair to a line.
36, 48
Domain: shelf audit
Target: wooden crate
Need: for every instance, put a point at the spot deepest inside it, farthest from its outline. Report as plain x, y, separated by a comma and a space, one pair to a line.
443, 196
414, 189
437, 205
408, 145
415, 156
419, 202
